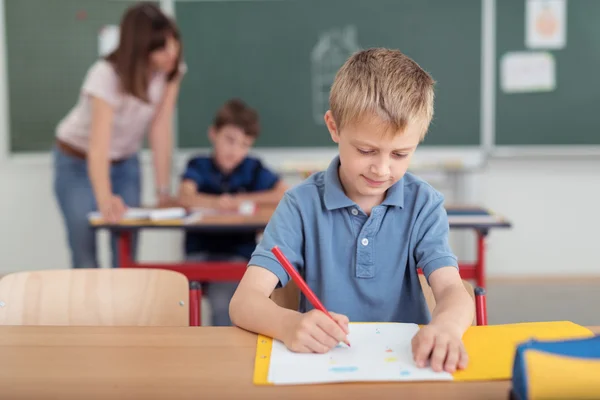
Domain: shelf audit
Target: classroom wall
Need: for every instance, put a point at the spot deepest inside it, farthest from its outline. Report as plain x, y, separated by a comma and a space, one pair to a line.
552, 202
554, 205
32, 234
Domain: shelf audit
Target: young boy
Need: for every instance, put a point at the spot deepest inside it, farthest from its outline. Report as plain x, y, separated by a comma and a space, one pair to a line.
359, 231
223, 181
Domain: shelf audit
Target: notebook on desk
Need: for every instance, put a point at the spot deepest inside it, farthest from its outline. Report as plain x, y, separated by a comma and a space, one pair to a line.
381, 352
175, 213
145, 214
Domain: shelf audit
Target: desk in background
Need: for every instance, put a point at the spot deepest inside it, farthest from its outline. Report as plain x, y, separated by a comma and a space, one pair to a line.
474, 218
481, 221
195, 271
174, 363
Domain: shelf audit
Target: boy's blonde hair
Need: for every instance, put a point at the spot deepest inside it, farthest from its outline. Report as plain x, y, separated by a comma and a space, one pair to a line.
385, 83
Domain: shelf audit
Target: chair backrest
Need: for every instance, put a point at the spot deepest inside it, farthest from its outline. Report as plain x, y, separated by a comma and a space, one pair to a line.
289, 296
98, 297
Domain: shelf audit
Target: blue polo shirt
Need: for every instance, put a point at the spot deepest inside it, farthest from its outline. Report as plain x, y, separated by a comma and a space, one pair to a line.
249, 176
362, 266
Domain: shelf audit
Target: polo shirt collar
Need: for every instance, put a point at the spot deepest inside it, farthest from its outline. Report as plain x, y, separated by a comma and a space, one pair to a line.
335, 197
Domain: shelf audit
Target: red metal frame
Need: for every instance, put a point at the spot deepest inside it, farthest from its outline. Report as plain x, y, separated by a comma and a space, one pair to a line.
211, 271
196, 272
476, 270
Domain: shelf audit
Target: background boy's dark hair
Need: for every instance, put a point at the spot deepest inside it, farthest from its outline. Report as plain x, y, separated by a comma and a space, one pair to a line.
237, 113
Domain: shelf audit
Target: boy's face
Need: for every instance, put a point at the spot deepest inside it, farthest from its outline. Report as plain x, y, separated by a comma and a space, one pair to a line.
372, 158
230, 146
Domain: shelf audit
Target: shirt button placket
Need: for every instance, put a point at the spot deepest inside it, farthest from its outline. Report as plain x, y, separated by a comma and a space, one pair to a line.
364, 259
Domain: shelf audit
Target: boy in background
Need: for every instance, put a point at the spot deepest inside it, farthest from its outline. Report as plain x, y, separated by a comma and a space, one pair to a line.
359, 232
223, 181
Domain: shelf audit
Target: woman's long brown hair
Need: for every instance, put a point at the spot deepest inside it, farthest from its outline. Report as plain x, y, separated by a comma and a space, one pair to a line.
144, 29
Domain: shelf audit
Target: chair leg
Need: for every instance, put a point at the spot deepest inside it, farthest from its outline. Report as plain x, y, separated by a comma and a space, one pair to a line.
480, 306
124, 249
195, 303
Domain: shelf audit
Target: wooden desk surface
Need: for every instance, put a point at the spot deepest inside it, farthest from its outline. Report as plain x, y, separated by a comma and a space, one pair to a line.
173, 363
211, 222
458, 217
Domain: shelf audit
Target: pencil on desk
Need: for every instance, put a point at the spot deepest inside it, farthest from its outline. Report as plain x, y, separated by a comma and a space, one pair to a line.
310, 295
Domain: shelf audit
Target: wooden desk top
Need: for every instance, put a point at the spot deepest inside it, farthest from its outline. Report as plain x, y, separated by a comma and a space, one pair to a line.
173, 363
458, 217
209, 222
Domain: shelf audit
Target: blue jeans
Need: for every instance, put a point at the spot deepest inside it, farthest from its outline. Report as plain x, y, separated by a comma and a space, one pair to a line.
219, 294
75, 196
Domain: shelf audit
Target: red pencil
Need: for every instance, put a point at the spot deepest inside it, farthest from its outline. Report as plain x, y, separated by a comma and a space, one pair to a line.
310, 295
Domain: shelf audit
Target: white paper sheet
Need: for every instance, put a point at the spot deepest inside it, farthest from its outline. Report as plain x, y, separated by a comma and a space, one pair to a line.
546, 24
527, 72
152, 214
379, 352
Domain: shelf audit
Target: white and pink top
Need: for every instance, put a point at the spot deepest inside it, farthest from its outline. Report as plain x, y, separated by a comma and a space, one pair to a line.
131, 119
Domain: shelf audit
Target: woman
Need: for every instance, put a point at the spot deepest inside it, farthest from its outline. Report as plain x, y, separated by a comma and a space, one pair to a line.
130, 92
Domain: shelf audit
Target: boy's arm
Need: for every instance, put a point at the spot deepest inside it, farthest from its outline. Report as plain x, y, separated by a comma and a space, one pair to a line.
454, 306
251, 307
270, 196
189, 197
440, 341
440, 266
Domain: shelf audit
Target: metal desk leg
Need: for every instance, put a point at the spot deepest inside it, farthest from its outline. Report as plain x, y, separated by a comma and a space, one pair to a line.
124, 248
480, 264
195, 303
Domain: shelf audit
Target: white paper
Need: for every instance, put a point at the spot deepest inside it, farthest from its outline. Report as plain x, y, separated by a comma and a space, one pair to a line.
527, 72
546, 24
151, 214
379, 352
108, 39
161, 214
245, 208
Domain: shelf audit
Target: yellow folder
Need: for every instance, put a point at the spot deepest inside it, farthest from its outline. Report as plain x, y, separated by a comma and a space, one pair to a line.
491, 348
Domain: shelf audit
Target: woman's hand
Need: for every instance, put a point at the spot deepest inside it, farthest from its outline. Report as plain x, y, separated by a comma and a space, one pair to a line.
112, 209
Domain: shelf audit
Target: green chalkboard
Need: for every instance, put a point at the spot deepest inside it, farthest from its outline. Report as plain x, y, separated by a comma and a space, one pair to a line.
569, 114
280, 57
50, 45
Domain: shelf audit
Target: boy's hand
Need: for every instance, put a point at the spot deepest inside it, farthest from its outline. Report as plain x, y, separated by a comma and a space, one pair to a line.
441, 345
227, 202
166, 200
315, 332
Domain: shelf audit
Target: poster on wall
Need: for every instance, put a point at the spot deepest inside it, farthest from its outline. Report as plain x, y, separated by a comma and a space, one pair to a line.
546, 24
527, 72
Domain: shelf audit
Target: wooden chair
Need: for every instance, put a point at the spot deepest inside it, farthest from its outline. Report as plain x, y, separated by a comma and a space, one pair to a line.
289, 297
98, 297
